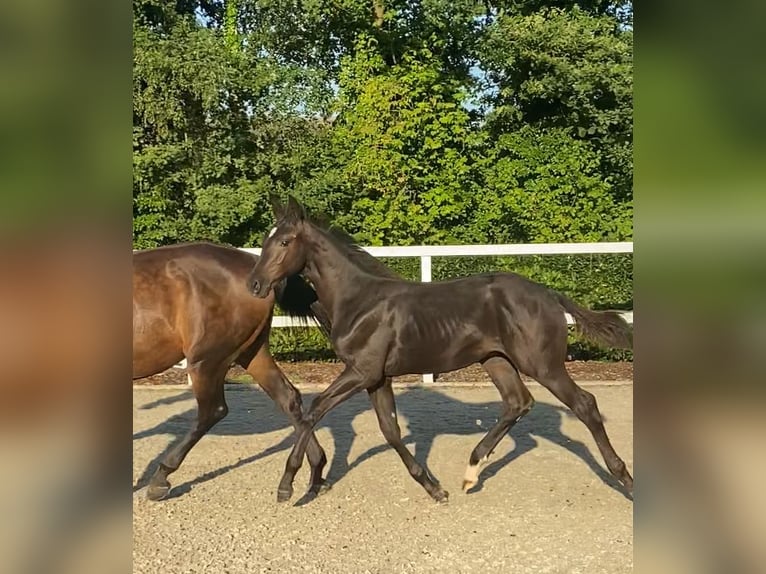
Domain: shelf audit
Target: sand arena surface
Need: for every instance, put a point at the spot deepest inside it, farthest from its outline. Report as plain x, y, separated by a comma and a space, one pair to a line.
545, 504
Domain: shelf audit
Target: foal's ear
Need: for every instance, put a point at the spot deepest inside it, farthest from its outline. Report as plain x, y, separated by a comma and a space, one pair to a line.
276, 206
295, 210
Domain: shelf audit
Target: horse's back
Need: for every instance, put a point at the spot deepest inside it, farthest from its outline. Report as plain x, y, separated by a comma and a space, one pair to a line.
183, 266
214, 255
186, 297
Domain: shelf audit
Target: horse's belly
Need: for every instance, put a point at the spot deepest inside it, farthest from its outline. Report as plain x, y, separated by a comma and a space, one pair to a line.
436, 355
155, 346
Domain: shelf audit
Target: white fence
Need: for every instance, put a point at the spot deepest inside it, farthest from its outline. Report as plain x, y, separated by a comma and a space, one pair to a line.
426, 252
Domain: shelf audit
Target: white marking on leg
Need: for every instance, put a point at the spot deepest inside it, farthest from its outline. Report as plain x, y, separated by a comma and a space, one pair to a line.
393, 414
472, 472
188, 378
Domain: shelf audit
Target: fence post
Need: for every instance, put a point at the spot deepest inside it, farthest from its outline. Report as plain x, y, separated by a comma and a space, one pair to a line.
425, 277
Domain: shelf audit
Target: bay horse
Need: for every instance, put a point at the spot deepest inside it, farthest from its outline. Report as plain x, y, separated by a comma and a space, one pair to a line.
384, 326
191, 300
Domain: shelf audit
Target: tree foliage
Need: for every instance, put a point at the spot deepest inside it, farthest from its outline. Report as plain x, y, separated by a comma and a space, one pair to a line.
565, 69
404, 143
217, 125
406, 122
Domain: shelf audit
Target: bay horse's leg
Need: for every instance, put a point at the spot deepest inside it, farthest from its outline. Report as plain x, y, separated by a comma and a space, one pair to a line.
207, 386
517, 401
348, 383
583, 404
382, 399
272, 380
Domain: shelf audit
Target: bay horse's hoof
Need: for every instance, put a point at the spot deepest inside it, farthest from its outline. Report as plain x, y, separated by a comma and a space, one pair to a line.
468, 485
284, 495
157, 491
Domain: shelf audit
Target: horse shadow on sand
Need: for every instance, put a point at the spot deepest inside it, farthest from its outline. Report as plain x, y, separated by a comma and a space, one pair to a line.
430, 414
426, 412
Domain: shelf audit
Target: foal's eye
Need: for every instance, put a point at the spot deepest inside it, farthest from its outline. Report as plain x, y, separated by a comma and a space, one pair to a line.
284, 242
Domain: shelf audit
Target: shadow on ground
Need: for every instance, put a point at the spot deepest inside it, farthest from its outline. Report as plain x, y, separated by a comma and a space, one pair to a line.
427, 413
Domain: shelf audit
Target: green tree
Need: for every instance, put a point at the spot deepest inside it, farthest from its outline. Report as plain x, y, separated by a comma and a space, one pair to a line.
542, 185
403, 145
213, 120
233, 101
566, 69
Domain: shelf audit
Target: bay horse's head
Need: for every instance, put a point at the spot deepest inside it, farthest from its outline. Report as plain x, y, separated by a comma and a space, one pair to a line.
284, 249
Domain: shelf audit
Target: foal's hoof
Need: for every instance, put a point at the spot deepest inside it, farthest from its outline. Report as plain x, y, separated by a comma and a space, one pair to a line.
441, 496
468, 485
471, 477
157, 491
283, 495
627, 483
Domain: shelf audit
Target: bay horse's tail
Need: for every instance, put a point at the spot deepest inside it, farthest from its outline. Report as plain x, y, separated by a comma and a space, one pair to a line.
298, 299
605, 327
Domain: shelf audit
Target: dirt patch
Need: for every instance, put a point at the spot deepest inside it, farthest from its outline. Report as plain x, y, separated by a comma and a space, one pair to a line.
324, 373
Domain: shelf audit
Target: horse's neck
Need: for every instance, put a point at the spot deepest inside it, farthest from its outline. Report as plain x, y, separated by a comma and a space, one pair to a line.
331, 272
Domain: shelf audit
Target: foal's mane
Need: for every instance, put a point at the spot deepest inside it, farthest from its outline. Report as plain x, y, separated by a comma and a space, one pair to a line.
348, 246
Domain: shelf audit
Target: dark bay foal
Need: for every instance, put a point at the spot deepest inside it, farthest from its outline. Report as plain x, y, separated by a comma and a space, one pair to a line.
383, 326
191, 301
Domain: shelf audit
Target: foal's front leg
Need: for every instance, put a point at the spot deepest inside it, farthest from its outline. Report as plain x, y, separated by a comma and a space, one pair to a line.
382, 399
271, 378
347, 384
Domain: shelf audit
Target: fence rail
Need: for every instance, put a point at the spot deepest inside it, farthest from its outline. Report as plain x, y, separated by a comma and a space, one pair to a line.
426, 252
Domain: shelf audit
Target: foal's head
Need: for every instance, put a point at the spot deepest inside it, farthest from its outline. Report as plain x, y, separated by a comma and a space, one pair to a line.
284, 249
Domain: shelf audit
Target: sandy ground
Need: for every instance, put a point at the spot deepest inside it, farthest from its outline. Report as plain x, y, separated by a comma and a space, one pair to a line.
545, 504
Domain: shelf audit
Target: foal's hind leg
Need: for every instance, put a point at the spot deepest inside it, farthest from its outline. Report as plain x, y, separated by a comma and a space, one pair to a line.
583, 404
270, 377
382, 399
517, 401
207, 385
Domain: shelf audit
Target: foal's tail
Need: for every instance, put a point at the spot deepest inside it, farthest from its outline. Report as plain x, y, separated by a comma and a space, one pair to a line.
606, 327
297, 298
